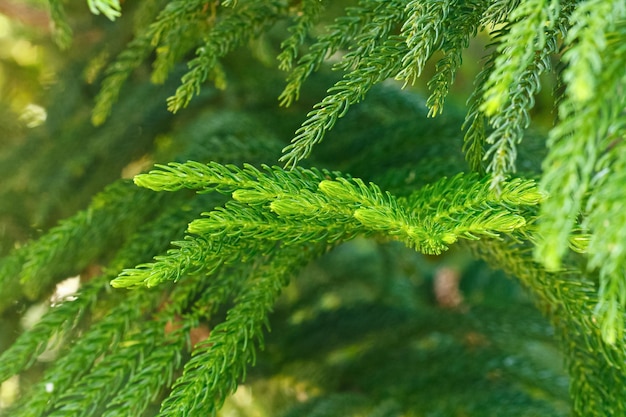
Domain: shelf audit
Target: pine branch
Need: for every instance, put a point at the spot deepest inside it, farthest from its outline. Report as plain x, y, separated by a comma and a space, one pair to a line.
383, 62
109, 375
234, 28
524, 53
290, 208
569, 299
172, 15
176, 45
10, 268
498, 12
423, 31
461, 26
117, 74
109, 8
219, 363
526, 36
340, 34
605, 220
57, 324
62, 32
60, 321
69, 247
386, 16
80, 357
166, 28
306, 15
585, 121
476, 122
158, 368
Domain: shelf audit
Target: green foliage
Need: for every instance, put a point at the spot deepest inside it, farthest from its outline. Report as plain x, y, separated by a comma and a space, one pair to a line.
209, 245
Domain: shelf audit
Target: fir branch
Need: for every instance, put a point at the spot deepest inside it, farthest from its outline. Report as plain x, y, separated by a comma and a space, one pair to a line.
218, 364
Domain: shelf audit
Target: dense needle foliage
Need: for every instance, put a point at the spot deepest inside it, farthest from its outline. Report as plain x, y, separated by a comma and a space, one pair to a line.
198, 100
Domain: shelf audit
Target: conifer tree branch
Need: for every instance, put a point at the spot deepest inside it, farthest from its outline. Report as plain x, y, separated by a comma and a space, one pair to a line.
159, 366
476, 122
266, 212
93, 390
62, 32
386, 16
424, 32
244, 250
340, 34
585, 121
461, 26
510, 89
56, 323
306, 15
382, 63
234, 27
109, 8
605, 219
80, 357
524, 38
74, 243
219, 363
563, 295
10, 268
117, 74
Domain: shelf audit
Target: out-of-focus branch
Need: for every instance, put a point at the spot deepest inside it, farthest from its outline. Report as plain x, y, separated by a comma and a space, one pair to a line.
25, 14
